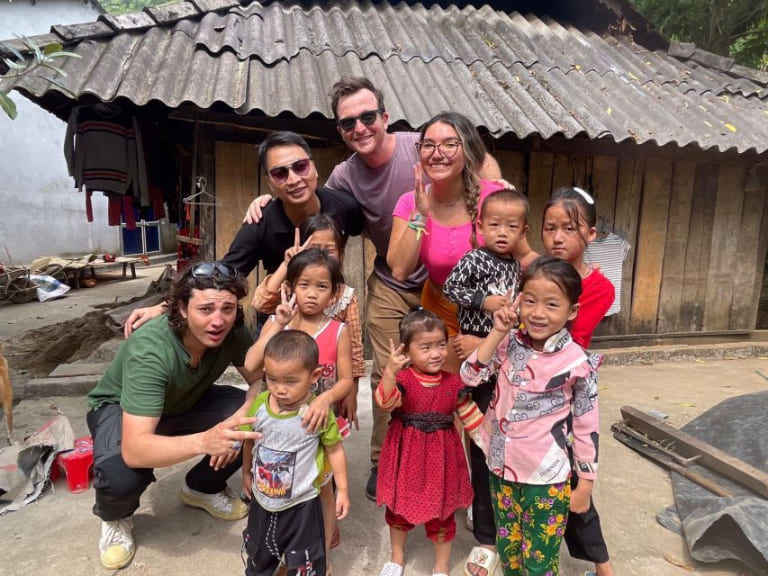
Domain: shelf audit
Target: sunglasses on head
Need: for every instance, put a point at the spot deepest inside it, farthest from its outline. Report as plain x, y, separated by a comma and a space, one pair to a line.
367, 118
209, 269
279, 174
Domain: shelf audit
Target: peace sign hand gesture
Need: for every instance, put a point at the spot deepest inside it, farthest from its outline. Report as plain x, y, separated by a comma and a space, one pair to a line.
506, 318
286, 310
398, 359
296, 248
421, 192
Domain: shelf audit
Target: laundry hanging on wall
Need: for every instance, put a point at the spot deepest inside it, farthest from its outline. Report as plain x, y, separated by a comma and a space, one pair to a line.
104, 152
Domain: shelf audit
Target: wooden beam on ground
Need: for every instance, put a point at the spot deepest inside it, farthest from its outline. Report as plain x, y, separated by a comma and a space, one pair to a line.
688, 447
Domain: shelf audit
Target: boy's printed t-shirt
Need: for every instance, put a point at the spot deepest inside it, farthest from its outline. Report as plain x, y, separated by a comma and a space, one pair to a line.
288, 462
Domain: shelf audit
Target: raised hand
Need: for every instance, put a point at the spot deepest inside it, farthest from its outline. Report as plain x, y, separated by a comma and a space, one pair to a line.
421, 192
398, 359
296, 248
286, 310
506, 317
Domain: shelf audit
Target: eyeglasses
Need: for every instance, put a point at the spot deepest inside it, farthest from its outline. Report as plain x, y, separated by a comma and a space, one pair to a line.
209, 269
279, 174
367, 118
448, 148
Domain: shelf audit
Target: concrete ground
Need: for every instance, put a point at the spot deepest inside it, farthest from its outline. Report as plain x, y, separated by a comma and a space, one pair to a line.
59, 535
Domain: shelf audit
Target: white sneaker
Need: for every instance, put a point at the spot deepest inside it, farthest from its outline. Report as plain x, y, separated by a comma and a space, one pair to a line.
116, 544
224, 504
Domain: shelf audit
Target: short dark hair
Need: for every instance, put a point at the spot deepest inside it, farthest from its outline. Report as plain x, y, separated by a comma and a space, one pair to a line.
284, 138
351, 85
314, 257
293, 345
506, 195
181, 288
558, 271
323, 221
417, 321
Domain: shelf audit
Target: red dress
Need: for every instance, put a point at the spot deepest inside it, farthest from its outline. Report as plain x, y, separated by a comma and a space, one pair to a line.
423, 475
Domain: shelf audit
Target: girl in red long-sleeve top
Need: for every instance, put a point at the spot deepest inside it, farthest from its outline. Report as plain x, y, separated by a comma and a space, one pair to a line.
568, 226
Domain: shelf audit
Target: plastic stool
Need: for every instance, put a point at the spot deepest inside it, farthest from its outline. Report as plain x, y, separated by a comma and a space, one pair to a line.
77, 464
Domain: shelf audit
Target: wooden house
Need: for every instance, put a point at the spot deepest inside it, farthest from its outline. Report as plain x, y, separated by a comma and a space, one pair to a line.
672, 141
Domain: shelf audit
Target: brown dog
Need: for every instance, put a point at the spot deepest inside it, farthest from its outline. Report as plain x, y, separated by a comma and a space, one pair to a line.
6, 396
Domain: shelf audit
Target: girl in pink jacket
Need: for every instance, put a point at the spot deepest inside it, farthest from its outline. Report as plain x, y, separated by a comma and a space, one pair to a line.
545, 380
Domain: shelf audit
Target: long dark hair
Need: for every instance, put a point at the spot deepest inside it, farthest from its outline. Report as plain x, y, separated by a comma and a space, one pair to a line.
474, 156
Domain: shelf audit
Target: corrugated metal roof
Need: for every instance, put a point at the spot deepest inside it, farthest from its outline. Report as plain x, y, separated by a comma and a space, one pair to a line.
507, 72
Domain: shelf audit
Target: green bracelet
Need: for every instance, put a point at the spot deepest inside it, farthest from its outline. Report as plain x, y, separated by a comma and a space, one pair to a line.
418, 227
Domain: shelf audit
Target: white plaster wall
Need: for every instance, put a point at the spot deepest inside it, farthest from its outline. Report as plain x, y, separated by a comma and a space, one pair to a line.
41, 213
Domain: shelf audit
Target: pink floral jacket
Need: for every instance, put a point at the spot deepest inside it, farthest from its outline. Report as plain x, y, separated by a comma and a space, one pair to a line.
544, 404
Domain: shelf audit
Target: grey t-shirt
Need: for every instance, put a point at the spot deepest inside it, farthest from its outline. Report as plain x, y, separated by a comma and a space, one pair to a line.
288, 463
378, 190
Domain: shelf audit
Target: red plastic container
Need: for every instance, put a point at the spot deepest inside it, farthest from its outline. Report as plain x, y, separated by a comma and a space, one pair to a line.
77, 464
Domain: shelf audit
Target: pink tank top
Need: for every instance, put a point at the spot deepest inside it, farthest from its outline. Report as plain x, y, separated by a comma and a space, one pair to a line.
327, 339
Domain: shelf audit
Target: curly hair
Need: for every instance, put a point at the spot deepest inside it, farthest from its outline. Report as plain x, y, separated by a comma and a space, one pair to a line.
181, 288
474, 155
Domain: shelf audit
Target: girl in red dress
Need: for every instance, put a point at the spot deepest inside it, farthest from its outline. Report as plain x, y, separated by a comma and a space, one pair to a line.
423, 476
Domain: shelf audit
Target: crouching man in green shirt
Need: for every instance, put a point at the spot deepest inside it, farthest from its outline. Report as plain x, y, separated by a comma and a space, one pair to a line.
157, 406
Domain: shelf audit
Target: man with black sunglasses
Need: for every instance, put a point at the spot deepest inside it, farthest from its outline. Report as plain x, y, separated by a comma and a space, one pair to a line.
156, 406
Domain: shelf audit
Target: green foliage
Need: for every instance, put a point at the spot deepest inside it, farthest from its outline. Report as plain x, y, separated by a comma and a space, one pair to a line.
128, 6
33, 57
735, 28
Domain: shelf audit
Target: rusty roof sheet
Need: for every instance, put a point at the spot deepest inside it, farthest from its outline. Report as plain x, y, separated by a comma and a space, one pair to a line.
510, 73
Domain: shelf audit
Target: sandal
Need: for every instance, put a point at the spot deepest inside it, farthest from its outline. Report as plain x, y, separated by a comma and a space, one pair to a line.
480, 562
391, 569
335, 539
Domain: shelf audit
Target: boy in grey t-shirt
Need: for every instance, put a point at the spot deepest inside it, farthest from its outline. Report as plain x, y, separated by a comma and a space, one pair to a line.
290, 464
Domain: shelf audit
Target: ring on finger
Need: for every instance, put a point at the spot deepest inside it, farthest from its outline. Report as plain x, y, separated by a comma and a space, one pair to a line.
236, 445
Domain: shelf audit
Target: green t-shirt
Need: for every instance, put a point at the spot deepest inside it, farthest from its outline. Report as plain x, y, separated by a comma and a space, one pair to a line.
151, 376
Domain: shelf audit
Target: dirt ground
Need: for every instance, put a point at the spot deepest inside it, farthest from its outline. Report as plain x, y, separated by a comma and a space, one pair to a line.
59, 535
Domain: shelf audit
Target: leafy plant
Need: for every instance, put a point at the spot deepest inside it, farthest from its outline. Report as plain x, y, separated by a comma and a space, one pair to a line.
735, 28
20, 64
127, 6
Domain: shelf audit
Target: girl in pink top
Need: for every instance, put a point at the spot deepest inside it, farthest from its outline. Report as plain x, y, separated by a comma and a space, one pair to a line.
544, 378
435, 224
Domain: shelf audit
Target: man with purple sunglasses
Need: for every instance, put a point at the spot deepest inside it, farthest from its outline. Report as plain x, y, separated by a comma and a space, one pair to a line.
292, 176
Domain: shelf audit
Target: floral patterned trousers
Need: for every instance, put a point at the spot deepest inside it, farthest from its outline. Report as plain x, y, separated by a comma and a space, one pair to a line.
530, 522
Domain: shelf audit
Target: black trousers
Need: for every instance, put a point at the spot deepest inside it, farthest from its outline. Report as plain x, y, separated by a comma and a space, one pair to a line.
118, 487
296, 535
583, 533
483, 524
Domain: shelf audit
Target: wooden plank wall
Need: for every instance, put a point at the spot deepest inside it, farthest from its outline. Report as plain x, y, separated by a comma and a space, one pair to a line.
697, 232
